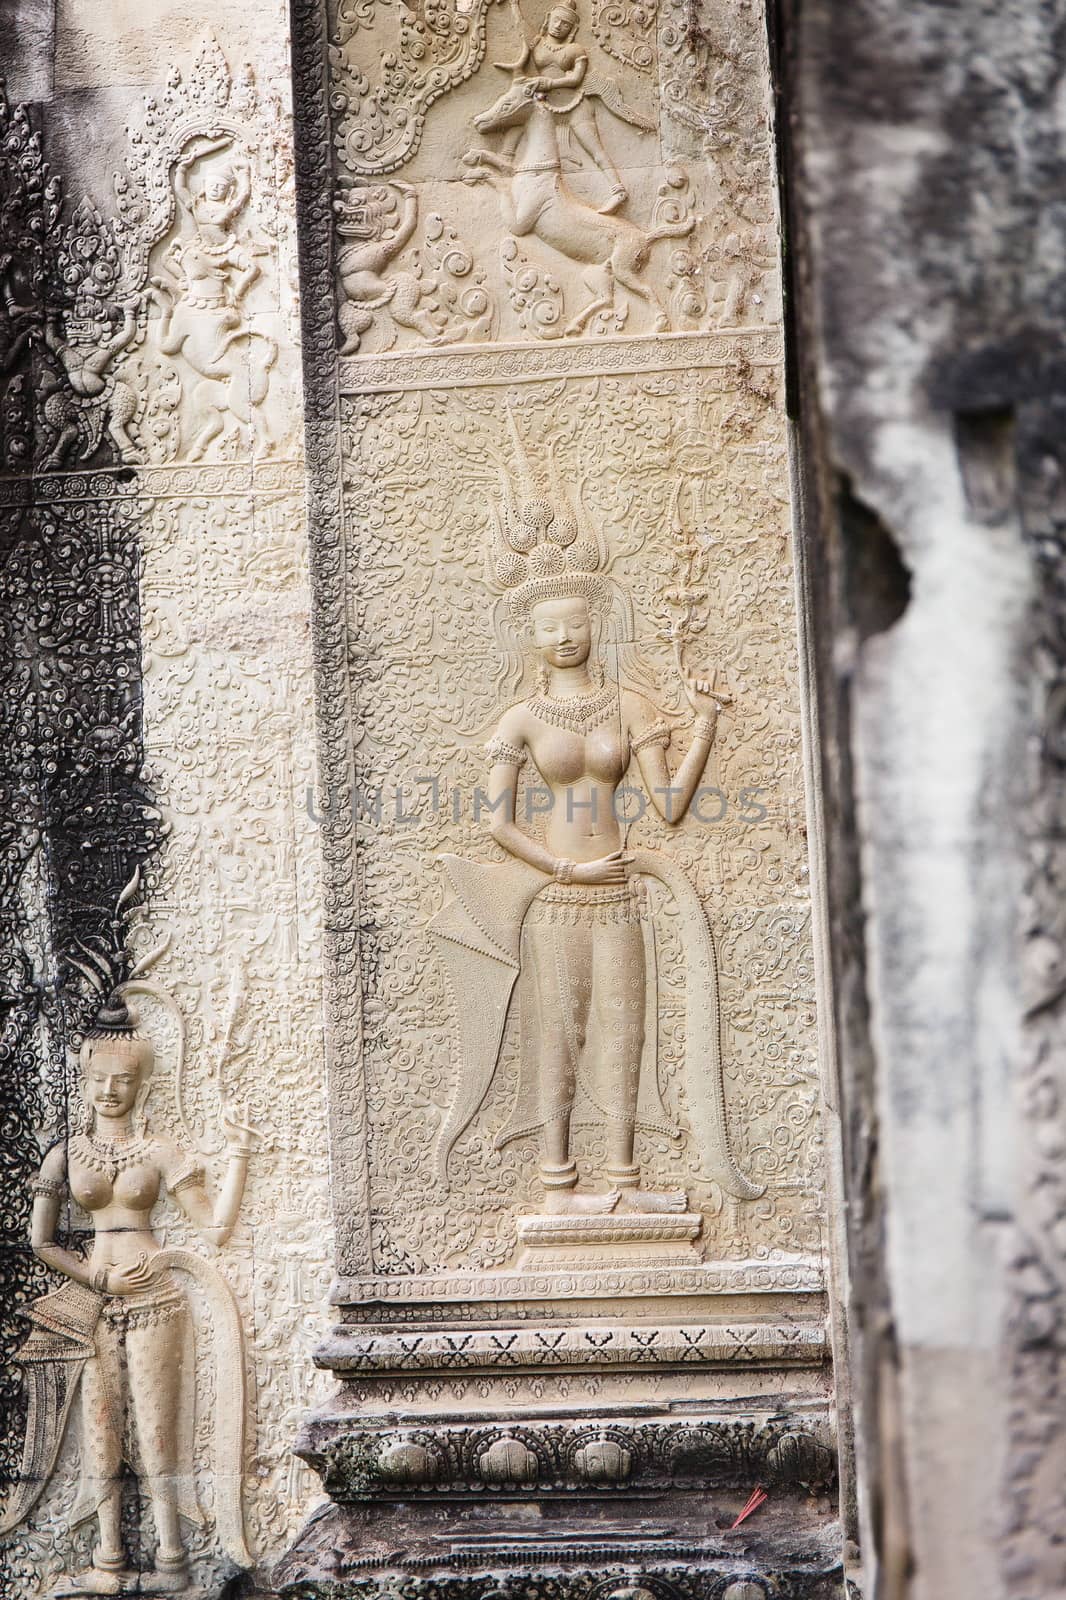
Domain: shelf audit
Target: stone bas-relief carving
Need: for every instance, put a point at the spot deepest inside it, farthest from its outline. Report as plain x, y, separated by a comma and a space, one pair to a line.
561, 1458
229, 750
602, 1567
165, 330
573, 902
228, 716
201, 231
439, 292
589, 193
194, 320
200, 293
115, 1338
650, 459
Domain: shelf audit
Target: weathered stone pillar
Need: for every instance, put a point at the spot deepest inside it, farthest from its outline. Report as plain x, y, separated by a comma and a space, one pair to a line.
550, 500
161, 855
409, 636
923, 167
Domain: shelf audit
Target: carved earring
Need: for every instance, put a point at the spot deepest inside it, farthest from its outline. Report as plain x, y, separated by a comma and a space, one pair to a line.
543, 677
140, 1110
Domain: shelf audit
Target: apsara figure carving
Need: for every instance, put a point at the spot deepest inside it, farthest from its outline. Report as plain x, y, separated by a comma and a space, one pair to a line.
569, 913
119, 1331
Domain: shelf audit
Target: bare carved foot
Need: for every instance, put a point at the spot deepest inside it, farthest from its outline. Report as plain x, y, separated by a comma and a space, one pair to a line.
568, 1203
616, 198
652, 1200
95, 1580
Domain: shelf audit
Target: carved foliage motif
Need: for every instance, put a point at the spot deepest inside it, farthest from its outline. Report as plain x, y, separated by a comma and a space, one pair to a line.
626, 30
30, 204
227, 703
425, 51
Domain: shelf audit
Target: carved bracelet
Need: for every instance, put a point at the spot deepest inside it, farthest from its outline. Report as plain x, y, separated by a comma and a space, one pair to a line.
658, 733
564, 870
99, 1280
703, 728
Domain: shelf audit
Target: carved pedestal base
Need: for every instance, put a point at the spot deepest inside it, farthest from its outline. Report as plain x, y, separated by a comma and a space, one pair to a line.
521, 1553
490, 1435
574, 1243
95, 1581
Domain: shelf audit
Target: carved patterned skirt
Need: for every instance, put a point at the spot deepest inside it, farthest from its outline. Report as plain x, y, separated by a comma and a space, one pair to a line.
137, 1398
585, 997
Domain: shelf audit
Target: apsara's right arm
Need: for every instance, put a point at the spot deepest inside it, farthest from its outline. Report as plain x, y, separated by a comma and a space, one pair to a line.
49, 1189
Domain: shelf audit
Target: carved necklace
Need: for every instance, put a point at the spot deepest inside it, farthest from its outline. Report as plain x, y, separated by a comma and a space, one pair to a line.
578, 713
109, 1157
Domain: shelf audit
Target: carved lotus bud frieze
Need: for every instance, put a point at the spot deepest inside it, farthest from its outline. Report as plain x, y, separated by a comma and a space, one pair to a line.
507, 1464
404, 1461
602, 1460
557, 1459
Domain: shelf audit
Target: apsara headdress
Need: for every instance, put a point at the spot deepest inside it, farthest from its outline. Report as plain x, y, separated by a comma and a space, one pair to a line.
538, 555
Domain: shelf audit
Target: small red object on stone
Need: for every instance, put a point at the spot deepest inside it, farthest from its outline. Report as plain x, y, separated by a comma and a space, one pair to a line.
754, 1501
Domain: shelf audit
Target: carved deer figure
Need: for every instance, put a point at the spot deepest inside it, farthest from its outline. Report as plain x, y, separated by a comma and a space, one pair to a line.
535, 198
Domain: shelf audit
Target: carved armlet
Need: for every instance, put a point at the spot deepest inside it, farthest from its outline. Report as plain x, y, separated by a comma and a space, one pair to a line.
508, 755
48, 1187
188, 1174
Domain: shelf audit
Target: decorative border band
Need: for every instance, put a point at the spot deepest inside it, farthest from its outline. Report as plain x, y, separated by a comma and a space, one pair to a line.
699, 1344
358, 1461
491, 365
802, 1276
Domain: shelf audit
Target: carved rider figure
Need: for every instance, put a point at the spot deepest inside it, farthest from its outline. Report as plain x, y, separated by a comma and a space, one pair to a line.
556, 66
201, 300
120, 1327
569, 911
